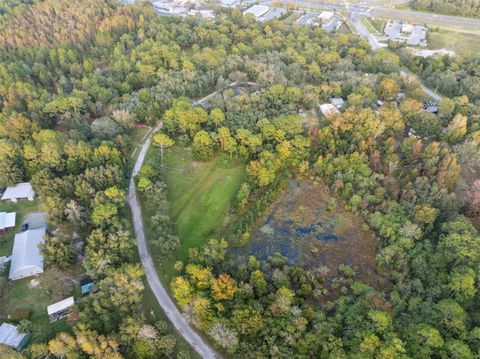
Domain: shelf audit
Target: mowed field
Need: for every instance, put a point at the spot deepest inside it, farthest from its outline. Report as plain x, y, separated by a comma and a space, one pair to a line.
200, 194
463, 43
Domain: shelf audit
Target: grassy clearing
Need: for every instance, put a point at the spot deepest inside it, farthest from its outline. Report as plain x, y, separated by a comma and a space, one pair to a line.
151, 309
50, 287
463, 43
373, 24
200, 194
136, 134
22, 208
378, 24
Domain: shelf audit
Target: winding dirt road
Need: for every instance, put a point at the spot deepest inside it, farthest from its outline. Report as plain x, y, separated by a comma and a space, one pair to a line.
166, 303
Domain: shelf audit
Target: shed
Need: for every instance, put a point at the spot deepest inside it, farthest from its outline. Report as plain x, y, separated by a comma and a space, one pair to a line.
10, 336
431, 107
60, 309
328, 109
257, 10
7, 220
337, 102
26, 257
4, 260
87, 286
20, 191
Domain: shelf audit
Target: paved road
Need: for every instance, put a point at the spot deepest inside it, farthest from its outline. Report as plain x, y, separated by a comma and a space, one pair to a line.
377, 10
355, 18
425, 89
172, 312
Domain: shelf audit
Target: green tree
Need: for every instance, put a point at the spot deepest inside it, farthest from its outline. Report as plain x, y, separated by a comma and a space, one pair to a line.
163, 141
202, 146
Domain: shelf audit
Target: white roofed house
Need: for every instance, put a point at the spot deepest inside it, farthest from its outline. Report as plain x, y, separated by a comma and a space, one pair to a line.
20, 191
26, 257
7, 220
60, 309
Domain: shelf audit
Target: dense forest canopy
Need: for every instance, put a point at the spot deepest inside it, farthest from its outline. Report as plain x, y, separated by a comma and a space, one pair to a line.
467, 8
68, 99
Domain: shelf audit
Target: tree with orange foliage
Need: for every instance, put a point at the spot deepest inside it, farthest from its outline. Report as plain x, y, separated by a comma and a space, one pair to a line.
223, 287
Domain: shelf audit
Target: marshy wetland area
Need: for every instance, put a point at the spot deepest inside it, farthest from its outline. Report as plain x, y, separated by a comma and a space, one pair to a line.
311, 228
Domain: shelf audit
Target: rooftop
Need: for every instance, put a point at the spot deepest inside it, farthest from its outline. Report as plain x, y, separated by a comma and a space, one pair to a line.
411, 34
7, 220
21, 190
26, 257
328, 109
257, 10
10, 336
59, 306
325, 15
337, 102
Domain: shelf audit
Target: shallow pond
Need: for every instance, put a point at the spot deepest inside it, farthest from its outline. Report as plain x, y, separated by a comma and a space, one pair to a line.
307, 226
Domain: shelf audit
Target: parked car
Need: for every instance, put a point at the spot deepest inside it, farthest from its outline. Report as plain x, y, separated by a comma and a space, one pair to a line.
24, 227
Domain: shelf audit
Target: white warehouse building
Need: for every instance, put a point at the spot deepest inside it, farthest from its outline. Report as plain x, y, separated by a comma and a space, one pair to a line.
26, 257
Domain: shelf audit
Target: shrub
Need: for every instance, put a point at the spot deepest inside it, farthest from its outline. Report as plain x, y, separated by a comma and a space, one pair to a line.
20, 314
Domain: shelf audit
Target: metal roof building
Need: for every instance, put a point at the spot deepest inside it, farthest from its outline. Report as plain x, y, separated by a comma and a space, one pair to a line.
7, 220
26, 257
10, 336
20, 191
328, 109
228, 2
60, 309
337, 102
257, 10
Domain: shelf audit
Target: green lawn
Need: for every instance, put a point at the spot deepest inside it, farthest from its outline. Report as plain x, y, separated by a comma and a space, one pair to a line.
463, 43
136, 135
200, 194
373, 24
50, 287
22, 208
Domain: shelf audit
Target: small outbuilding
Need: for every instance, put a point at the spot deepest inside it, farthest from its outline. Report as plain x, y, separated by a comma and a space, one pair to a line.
88, 286
337, 102
60, 309
20, 191
26, 257
430, 107
7, 220
328, 109
10, 336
